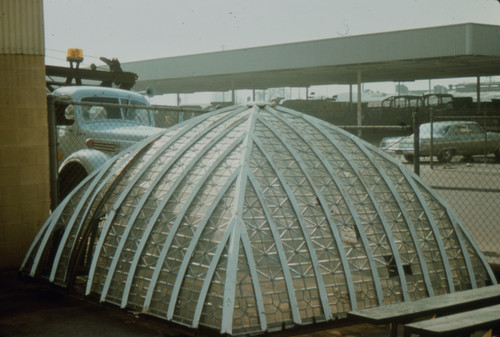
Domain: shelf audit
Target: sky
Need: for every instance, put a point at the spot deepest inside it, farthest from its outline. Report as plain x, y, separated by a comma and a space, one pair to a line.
132, 30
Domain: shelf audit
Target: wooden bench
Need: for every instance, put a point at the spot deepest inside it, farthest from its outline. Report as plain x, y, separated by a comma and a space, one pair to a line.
405, 312
461, 324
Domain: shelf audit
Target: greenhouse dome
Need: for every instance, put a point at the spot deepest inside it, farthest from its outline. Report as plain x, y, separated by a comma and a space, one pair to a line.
254, 219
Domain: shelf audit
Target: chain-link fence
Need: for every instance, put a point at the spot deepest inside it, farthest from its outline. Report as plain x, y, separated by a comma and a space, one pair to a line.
469, 176
459, 156
85, 134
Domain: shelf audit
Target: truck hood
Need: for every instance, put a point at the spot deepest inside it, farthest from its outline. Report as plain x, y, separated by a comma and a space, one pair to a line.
119, 130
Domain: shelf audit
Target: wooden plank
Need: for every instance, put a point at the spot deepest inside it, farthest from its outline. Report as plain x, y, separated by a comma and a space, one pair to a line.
406, 311
457, 324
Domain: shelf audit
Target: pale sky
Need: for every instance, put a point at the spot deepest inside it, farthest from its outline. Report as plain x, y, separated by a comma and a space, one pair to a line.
132, 30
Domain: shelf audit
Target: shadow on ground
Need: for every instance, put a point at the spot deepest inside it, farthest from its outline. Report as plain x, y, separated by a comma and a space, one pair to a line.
34, 309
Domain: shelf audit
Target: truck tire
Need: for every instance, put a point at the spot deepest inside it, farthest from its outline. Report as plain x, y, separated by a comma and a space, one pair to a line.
69, 178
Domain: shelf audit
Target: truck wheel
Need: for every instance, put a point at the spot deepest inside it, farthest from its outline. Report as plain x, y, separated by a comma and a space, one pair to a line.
69, 178
445, 156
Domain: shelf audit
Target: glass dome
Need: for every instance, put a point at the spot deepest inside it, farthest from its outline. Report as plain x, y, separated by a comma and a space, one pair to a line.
253, 219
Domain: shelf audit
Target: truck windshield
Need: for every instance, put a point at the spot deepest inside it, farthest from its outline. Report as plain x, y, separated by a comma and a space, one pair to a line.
98, 112
138, 115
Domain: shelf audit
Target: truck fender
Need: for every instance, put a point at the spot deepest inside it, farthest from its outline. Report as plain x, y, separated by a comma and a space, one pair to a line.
89, 159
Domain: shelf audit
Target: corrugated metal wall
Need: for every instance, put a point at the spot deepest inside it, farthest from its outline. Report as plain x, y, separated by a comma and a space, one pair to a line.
485, 40
21, 27
24, 167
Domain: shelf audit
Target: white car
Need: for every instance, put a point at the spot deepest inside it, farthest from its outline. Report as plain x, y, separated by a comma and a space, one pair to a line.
449, 139
88, 135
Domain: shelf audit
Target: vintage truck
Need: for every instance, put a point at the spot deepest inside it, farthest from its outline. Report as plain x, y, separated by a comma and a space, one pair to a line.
88, 135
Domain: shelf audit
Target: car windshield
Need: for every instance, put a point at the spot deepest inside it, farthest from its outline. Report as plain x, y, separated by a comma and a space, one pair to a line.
468, 129
97, 112
437, 130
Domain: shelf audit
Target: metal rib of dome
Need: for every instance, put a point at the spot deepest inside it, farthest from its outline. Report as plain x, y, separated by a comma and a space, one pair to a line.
253, 219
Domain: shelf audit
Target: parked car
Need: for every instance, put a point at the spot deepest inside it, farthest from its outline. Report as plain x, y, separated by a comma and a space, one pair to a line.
88, 135
402, 102
438, 102
449, 139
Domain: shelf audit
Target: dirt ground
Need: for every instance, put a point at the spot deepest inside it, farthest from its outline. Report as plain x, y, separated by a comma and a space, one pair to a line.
32, 309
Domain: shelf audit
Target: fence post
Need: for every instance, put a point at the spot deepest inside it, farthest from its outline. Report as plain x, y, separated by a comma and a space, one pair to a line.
485, 137
51, 120
431, 120
416, 143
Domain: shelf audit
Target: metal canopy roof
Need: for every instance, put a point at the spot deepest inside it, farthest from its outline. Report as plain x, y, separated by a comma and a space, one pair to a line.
252, 219
428, 53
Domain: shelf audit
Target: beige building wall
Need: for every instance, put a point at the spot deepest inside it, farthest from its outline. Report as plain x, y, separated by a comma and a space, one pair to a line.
24, 166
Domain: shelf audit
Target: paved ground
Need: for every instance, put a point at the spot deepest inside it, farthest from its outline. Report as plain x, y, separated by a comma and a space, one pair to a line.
30, 309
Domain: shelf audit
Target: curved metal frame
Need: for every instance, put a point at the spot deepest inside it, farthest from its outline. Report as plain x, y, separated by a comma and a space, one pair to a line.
235, 237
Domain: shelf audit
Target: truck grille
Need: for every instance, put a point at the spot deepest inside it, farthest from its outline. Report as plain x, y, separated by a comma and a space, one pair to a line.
105, 146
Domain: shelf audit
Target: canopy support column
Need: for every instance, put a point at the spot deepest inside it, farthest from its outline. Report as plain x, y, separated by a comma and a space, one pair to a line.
350, 97
233, 98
